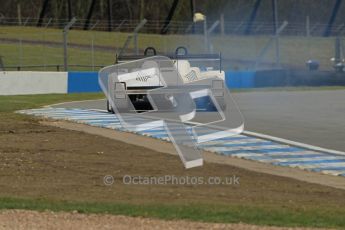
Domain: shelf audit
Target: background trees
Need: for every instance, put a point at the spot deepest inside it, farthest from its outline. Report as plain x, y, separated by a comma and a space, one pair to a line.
295, 11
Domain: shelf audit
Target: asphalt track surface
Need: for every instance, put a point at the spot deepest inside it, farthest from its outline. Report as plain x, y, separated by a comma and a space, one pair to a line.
311, 117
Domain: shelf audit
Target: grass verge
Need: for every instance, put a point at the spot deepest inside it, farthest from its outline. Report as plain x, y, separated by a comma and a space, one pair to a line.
203, 213
18, 102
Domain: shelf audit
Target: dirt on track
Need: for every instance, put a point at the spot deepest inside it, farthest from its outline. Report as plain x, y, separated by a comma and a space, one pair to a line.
23, 219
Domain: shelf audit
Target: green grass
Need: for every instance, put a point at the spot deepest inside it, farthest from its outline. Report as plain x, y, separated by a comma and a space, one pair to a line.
295, 50
112, 39
30, 55
205, 213
12, 103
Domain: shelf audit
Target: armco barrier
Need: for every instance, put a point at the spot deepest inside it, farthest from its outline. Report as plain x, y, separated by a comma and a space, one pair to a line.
285, 77
240, 79
79, 82
30, 82
27, 82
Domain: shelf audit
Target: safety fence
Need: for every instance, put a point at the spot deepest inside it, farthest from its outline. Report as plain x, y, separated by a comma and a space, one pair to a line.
43, 49
306, 28
62, 45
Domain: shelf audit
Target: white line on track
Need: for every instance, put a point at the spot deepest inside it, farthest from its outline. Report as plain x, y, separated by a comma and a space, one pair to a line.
294, 143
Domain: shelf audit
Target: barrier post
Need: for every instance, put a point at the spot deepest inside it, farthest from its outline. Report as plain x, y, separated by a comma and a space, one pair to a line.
134, 37
65, 33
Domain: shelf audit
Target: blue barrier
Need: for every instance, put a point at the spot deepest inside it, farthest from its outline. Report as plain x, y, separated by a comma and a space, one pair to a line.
80, 82
240, 79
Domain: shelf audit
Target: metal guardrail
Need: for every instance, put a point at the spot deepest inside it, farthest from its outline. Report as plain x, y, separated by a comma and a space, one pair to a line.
57, 66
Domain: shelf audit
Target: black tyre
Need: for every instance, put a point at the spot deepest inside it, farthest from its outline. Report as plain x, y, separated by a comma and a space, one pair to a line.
109, 108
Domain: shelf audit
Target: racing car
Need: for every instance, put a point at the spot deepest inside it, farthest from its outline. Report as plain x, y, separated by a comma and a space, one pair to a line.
193, 68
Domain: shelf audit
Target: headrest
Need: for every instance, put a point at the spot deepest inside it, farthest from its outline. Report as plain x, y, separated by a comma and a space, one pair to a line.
183, 67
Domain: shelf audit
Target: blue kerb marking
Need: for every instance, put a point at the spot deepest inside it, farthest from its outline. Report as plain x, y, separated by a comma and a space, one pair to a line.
311, 162
232, 139
240, 145
159, 130
157, 135
163, 134
93, 120
103, 122
263, 151
154, 131
269, 158
328, 168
